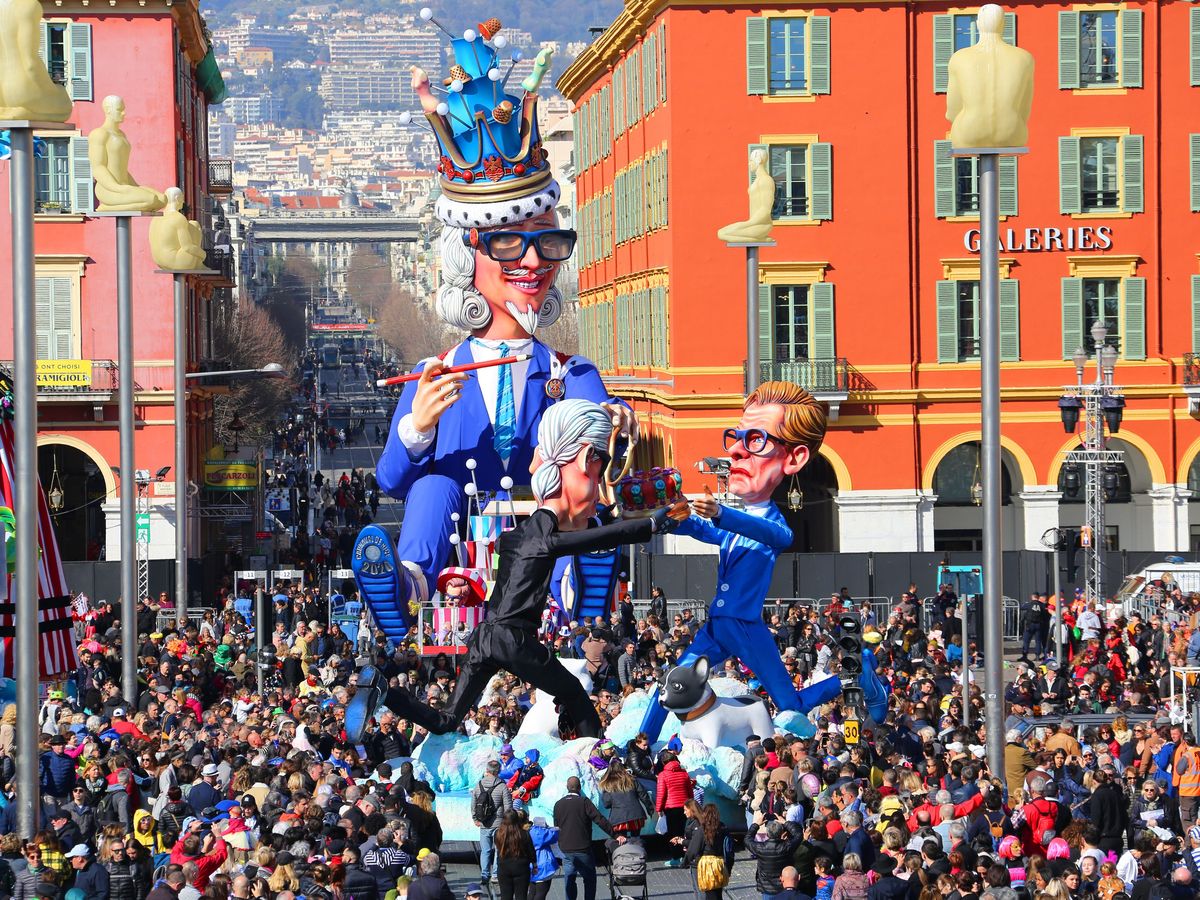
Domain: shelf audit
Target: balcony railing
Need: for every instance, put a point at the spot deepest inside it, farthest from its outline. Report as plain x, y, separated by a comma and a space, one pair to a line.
221, 262
818, 376
220, 176
1191, 370
103, 380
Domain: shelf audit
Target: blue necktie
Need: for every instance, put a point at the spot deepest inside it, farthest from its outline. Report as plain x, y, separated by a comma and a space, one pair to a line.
506, 412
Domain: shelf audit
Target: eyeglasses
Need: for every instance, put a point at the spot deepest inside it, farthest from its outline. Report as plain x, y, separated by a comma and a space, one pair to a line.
553, 244
755, 440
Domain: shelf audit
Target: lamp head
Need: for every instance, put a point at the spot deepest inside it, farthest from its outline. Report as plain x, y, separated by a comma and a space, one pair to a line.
1099, 333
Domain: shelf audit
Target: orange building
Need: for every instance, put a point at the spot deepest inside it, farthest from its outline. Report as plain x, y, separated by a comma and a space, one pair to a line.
870, 297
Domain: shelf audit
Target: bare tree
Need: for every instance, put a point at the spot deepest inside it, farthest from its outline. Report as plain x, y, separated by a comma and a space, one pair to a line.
249, 340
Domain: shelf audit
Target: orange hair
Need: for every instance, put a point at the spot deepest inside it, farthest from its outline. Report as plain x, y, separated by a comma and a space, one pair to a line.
803, 415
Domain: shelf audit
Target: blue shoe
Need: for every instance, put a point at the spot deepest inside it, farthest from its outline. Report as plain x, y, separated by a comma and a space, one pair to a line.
359, 711
383, 582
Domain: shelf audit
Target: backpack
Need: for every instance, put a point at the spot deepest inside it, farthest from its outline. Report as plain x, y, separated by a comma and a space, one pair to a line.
483, 810
106, 810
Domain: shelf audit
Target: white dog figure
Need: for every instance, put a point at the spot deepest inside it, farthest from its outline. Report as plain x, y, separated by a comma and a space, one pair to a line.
542, 717
705, 717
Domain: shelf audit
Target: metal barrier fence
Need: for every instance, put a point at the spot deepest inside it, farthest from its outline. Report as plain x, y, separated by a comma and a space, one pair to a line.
195, 615
1010, 606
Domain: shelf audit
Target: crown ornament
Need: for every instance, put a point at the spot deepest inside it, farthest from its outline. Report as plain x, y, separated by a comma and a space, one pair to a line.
493, 170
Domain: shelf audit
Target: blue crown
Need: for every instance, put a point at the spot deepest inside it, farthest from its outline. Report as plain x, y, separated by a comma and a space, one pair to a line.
493, 167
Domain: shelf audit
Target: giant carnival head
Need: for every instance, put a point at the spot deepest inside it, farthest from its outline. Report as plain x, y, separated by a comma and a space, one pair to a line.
782, 426
571, 454
501, 244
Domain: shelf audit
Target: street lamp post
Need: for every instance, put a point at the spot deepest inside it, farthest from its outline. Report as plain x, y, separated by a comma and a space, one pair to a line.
1103, 404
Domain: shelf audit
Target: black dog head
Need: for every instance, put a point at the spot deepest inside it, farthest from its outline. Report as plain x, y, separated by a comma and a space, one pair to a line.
684, 686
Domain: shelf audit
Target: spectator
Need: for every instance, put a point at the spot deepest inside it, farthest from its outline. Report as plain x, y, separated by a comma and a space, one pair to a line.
574, 816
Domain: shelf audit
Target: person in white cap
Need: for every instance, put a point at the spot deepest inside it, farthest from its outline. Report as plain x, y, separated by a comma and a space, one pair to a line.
90, 877
204, 793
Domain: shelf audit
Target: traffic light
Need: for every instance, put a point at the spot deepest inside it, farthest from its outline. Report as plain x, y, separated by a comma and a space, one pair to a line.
850, 642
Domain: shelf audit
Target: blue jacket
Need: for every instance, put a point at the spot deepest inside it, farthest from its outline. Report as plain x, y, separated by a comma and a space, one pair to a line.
93, 880
465, 429
57, 774
749, 544
545, 864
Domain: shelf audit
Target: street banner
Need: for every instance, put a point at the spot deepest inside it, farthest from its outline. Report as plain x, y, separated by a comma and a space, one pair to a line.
61, 373
230, 475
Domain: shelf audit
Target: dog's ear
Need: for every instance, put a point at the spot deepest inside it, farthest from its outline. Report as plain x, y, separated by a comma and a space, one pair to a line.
702, 669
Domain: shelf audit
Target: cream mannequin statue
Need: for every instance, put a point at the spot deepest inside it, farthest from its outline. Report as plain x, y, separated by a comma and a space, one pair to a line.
991, 89
26, 89
762, 197
174, 241
108, 151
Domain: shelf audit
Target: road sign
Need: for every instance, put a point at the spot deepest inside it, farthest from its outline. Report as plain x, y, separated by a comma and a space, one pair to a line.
143, 528
850, 731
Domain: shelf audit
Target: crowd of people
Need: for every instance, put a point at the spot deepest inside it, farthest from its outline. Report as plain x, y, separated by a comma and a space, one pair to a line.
200, 786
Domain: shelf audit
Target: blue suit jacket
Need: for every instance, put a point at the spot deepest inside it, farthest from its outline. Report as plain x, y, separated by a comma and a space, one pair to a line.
749, 547
465, 429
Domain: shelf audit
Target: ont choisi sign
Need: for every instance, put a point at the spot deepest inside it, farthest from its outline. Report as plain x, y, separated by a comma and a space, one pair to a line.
1022, 240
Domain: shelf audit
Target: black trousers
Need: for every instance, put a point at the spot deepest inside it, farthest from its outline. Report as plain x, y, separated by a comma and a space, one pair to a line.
513, 875
539, 889
494, 646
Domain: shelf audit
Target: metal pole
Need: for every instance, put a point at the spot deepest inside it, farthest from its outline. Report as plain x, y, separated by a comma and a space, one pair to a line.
181, 479
260, 633
966, 643
26, 487
753, 369
129, 599
993, 590
1058, 605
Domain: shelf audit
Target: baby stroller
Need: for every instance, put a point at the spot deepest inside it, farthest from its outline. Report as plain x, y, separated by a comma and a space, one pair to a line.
627, 869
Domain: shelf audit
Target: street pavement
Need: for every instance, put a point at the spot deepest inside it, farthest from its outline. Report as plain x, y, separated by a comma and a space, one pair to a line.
462, 868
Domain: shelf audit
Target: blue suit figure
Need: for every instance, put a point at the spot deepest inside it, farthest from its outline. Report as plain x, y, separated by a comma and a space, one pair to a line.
782, 426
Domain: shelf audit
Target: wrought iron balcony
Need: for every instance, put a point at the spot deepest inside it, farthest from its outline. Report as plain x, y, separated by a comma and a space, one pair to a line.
74, 381
220, 177
826, 379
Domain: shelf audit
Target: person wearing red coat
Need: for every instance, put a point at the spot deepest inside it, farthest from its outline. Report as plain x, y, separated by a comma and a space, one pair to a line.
675, 788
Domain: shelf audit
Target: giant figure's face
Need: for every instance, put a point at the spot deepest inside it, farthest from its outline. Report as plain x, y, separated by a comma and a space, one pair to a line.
580, 482
754, 477
515, 290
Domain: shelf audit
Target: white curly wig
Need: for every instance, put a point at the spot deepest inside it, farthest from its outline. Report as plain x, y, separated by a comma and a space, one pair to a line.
566, 427
460, 305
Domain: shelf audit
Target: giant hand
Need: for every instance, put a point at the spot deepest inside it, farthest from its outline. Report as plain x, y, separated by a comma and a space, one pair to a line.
624, 420
435, 395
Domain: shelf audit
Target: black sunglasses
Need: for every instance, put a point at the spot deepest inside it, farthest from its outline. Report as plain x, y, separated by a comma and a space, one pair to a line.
552, 244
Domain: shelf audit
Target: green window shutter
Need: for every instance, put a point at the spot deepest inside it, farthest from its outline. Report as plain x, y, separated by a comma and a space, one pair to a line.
1010, 320
1196, 313
662, 62
818, 54
44, 44
1194, 157
943, 179
766, 325
82, 199
43, 316
1131, 48
1072, 316
1070, 198
1010, 28
1068, 49
943, 49
1133, 336
947, 322
619, 99
820, 172
666, 194
635, 95
1194, 29
822, 343
79, 37
1008, 185
61, 337
756, 55
1132, 199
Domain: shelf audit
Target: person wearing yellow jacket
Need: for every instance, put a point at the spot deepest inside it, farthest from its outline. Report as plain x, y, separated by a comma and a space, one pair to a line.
146, 833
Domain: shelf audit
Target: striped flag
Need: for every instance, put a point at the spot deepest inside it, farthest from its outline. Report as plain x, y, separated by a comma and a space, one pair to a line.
55, 635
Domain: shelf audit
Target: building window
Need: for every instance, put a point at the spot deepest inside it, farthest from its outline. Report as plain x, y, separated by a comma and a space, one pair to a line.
967, 293
1102, 300
791, 321
956, 183
787, 55
53, 168
789, 168
56, 51
1099, 184
952, 33
55, 312
966, 32
786, 49
958, 319
1092, 295
1098, 48
1101, 173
